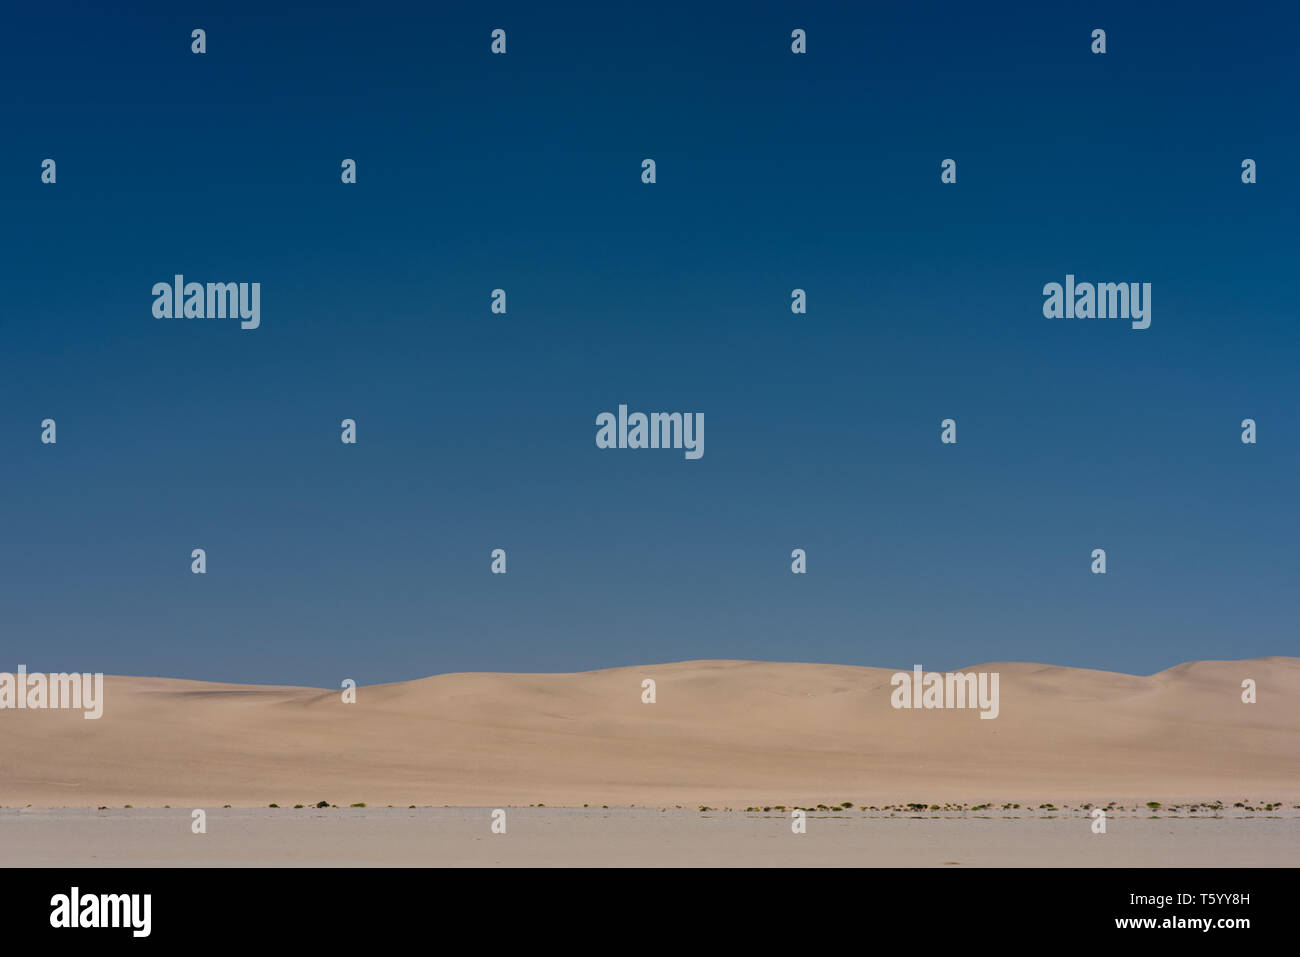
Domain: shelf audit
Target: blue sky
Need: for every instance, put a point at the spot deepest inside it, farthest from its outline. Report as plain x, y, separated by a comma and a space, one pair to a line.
477, 431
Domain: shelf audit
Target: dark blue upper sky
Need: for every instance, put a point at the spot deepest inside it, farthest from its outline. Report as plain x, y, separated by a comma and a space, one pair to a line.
476, 431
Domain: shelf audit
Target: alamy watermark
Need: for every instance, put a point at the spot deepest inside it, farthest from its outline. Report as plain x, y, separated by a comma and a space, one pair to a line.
42, 691
658, 430
1104, 300
75, 909
951, 690
214, 300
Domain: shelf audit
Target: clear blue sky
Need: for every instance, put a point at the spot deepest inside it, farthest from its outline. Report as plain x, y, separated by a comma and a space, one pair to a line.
477, 431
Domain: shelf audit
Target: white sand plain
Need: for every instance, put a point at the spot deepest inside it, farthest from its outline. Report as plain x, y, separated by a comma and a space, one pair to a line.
642, 837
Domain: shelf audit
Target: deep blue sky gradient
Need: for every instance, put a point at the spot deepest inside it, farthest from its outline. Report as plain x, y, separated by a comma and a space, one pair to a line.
477, 431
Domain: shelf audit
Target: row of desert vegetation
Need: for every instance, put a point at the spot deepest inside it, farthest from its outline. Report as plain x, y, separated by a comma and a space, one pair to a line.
913, 807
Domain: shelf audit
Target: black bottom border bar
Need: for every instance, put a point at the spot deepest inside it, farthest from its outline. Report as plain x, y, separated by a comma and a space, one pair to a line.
326, 906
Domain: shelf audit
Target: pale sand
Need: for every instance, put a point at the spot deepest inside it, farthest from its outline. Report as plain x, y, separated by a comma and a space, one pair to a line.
461, 837
723, 733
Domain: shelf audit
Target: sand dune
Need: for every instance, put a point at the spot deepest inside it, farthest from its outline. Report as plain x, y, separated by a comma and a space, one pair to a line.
722, 733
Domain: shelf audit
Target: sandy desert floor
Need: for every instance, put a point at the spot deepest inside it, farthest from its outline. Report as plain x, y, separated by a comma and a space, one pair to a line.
644, 837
